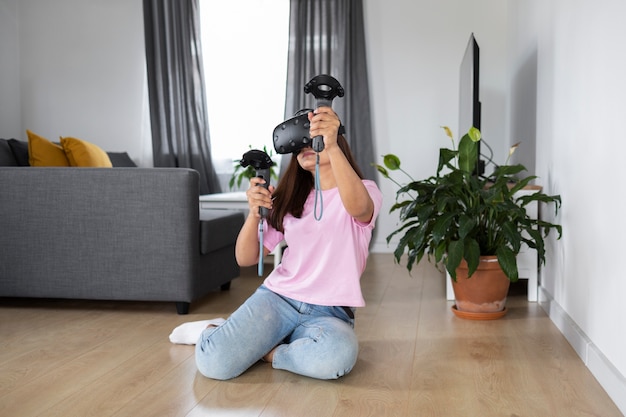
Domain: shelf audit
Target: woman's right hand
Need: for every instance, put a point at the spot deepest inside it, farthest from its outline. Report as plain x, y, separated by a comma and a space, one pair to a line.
258, 196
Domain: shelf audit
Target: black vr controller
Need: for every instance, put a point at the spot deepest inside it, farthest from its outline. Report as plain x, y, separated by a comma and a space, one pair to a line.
261, 162
293, 134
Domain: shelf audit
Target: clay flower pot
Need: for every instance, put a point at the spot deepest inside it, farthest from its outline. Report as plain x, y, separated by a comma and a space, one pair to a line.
483, 295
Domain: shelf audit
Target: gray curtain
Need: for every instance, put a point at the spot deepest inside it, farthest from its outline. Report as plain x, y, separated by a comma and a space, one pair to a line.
328, 37
180, 129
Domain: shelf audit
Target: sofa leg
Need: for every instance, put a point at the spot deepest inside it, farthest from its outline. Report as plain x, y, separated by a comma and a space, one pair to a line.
225, 287
182, 307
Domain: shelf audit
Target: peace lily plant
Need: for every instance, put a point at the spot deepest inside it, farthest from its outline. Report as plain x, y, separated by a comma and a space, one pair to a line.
457, 215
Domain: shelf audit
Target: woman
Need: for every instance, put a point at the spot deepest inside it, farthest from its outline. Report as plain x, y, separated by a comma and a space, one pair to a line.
302, 318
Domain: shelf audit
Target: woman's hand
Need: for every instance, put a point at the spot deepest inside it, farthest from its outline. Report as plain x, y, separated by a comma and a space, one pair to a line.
247, 246
258, 196
354, 196
324, 122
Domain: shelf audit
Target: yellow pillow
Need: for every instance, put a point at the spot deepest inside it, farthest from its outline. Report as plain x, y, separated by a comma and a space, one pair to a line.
43, 153
84, 154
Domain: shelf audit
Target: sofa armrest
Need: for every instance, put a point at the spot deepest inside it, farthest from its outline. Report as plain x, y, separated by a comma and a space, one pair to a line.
121, 233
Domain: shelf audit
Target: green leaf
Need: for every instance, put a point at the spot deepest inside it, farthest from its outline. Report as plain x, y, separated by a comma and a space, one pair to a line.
508, 263
382, 170
445, 156
474, 134
471, 255
440, 251
441, 227
509, 170
468, 154
512, 235
466, 224
455, 254
538, 196
535, 241
391, 161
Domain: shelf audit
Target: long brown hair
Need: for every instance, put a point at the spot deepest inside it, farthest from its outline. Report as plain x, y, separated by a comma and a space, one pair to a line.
295, 186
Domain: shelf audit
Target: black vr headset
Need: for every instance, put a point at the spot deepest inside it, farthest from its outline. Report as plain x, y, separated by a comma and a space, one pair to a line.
293, 134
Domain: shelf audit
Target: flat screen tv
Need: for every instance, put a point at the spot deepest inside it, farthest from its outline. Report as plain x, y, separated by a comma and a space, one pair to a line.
469, 99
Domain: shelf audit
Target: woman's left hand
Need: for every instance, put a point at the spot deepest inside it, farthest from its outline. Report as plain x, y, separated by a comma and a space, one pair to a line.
324, 122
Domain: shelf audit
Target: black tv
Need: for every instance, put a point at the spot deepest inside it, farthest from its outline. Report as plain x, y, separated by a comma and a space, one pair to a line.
469, 98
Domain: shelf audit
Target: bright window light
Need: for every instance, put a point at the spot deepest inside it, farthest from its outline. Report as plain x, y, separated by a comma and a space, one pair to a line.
244, 46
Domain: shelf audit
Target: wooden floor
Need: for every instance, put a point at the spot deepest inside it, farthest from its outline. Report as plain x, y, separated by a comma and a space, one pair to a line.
85, 358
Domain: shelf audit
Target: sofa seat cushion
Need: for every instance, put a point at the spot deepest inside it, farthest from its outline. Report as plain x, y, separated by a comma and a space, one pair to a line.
219, 229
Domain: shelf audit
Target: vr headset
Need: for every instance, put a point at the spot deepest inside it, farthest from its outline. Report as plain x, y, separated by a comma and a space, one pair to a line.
293, 134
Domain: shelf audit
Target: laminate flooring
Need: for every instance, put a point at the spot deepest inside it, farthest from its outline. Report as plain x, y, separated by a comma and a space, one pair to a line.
100, 358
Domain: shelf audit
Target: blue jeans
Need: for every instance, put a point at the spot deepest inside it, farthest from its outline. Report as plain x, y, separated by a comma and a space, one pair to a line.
315, 341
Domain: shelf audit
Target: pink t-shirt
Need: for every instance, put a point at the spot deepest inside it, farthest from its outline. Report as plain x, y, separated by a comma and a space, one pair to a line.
324, 259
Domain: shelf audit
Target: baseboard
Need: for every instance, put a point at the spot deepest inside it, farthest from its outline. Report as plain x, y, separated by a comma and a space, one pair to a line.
613, 382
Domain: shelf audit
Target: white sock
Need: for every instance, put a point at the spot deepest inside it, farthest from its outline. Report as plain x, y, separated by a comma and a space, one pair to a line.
189, 333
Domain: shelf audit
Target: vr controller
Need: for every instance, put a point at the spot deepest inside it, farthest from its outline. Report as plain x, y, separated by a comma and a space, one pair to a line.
261, 162
293, 134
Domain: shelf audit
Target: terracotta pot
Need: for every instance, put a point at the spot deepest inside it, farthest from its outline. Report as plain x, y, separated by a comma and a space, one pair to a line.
485, 291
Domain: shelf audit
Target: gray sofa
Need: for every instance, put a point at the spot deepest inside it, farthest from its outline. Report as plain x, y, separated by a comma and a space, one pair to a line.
119, 233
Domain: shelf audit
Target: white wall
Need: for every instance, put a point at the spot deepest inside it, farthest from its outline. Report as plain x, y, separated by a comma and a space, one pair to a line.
82, 72
580, 108
10, 126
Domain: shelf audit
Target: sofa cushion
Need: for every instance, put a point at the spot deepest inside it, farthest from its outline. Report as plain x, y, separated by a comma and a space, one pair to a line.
43, 153
219, 228
81, 153
121, 159
6, 155
20, 152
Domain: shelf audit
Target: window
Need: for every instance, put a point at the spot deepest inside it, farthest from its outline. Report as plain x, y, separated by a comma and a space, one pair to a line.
244, 46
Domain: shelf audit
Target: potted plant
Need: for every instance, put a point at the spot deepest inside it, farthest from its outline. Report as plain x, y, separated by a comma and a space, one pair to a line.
467, 222
240, 173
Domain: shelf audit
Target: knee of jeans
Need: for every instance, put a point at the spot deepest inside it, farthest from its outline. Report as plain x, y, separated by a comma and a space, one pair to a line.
341, 362
214, 372
337, 369
211, 365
